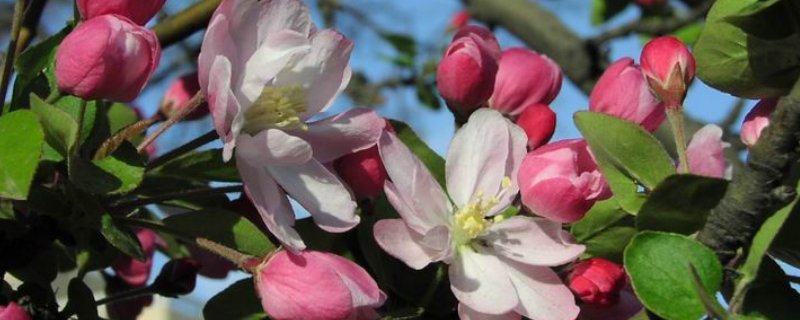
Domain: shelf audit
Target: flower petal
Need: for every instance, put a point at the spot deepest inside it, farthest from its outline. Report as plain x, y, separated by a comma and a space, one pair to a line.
344, 133
535, 242
324, 71
320, 192
273, 147
420, 223
465, 313
278, 50
223, 104
271, 203
421, 195
394, 237
217, 42
517, 149
705, 152
542, 295
477, 157
480, 282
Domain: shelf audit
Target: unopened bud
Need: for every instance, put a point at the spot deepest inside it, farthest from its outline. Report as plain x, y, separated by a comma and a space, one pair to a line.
177, 277
669, 68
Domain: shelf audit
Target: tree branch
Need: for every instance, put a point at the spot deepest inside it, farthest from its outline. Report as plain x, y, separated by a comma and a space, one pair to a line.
762, 186
656, 27
186, 23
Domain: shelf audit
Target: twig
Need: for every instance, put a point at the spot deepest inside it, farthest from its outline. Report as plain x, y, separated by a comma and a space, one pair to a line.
196, 101
759, 188
185, 23
174, 196
655, 27
8, 65
189, 146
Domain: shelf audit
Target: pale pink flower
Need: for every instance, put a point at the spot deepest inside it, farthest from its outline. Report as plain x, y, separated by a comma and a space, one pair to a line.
706, 153
498, 268
623, 92
315, 285
756, 120
107, 57
524, 78
561, 181
266, 71
139, 11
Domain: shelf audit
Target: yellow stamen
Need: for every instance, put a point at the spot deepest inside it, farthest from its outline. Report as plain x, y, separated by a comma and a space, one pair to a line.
276, 108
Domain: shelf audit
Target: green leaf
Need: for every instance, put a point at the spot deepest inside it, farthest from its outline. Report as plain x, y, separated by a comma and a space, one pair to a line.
21, 142
35, 64
237, 302
628, 156
758, 249
743, 51
224, 227
61, 130
72, 105
42, 270
201, 165
603, 10
681, 204
426, 93
605, 231
158, 185
658, 265
81, 300
117, 174
405, 46
120, 116
122, 239
430, 158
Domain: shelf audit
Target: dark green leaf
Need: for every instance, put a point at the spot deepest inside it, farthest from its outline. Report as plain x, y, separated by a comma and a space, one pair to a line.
61, 130
681, 204
658, 265
120, 116
628, 156
81, 301
224, 227
426, 93
202, 165
603, 10
72, 105
117, 174
743, 51
771, 297
21, 142
605, 231
237, 302
42, 270
430, 158
158, 185
122, 239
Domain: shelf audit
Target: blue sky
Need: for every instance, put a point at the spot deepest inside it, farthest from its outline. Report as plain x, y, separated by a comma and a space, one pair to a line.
426, 21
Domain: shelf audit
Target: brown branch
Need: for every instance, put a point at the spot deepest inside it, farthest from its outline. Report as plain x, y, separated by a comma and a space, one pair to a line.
762, 186
656, 27
186, 23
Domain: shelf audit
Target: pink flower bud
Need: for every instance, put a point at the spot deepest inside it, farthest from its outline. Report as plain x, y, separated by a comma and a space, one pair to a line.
539, 123
316, 286
467, 71
756, 120
139, 11
524, 78
669, 68
180, 92
646, 3
13, 312
133, 271
460, 19
623, 92
178, 277
561, 182
706, 153
597, 281
108, 57
363, 171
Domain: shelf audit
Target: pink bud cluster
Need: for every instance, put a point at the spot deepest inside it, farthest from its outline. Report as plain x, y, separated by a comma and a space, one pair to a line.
110, 55
518, 82
603, 289
13, 312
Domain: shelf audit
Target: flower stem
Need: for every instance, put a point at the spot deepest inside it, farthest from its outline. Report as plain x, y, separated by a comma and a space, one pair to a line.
81, 115
189, 146
430, 292
175, 195
127, 295
8, 64
196, 101
245, 262
675, 116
